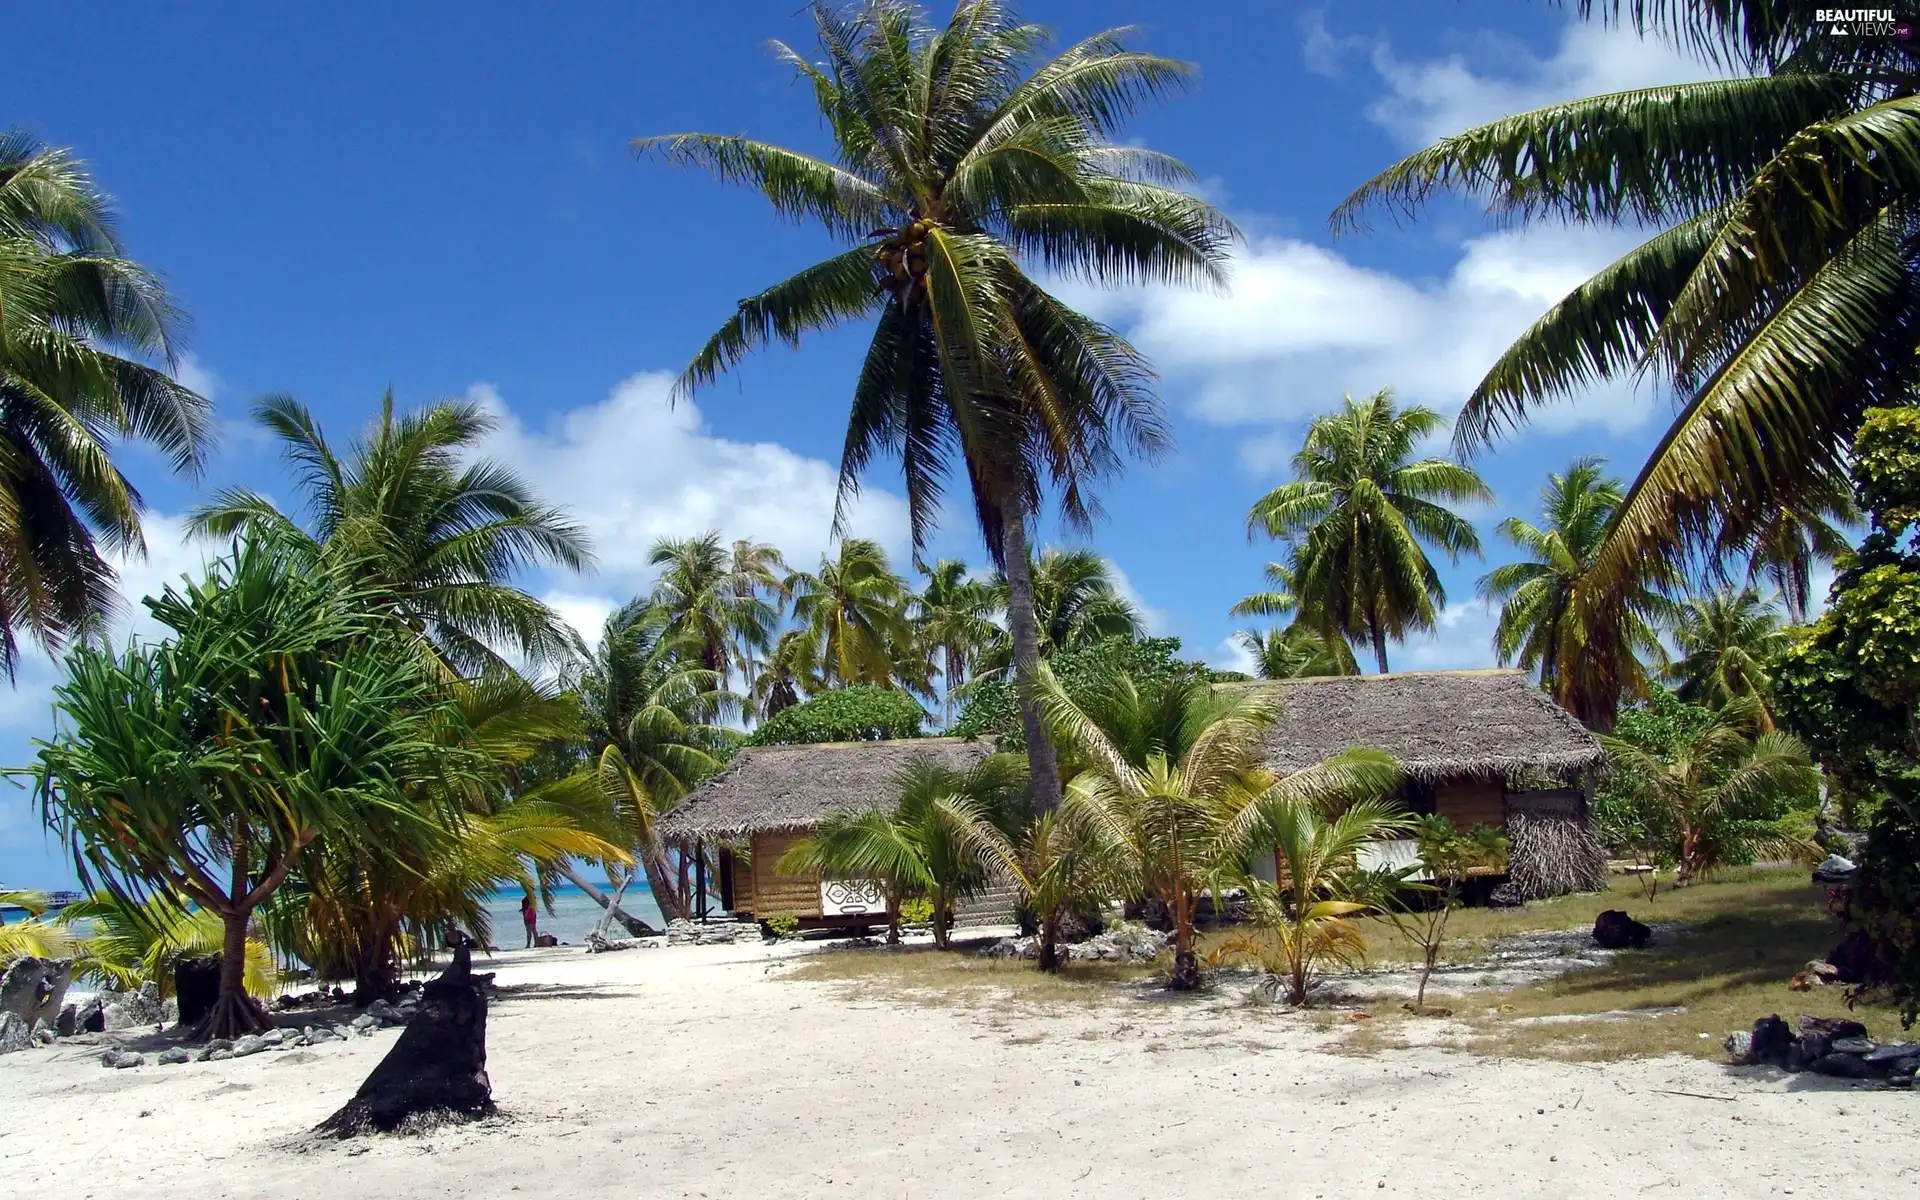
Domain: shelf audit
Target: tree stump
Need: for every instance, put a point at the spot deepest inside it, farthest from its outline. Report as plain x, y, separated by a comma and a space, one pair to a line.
196, 982
438, 1067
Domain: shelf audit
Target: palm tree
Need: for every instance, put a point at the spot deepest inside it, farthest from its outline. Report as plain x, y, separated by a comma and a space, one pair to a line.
1773, 297
281, 711
127, 945
1063, 860
1316, 841
1076, 601
954, 616
855, 609
717, 595
81, 324
957, 154
1783, 545
1173, 771
438, 532
928, 845
791, 674
651, 710
1355, 518
1297, 652
1720, 791
1728, 641
1589, 662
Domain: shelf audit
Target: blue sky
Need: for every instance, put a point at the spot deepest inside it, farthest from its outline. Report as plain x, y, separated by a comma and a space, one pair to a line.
366, 197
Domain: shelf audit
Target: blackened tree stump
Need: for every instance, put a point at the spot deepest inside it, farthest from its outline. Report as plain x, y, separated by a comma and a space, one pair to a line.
437, 1070
196, 983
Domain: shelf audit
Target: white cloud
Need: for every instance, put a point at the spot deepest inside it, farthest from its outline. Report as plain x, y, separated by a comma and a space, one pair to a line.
1302, 325
634, 468
586, 613
1493, 76
1230, 655
1462, 637
194, 374
1154, 619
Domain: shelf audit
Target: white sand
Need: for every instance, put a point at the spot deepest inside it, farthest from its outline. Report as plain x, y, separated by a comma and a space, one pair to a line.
698, 1071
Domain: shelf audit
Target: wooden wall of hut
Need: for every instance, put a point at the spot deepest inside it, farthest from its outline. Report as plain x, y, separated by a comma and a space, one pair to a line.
773, 892
1468, 804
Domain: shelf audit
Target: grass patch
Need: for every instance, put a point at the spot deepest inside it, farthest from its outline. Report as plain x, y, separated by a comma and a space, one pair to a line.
1744, 937
923, 975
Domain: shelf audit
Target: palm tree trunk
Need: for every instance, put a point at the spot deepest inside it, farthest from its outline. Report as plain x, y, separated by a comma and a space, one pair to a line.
1043, 767
633, 925
234, 1012
1378, 638
1186, 964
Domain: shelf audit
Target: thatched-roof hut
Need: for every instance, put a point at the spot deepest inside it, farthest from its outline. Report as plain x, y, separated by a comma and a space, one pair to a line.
770, 796
1478, 747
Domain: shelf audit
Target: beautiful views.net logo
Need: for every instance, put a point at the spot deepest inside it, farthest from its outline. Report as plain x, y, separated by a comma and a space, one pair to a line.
1863, 22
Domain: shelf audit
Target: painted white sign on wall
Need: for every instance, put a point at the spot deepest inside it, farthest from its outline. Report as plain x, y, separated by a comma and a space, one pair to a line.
851, 897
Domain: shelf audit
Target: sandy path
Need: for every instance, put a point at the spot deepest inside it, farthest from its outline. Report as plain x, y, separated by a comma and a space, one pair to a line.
699, 1072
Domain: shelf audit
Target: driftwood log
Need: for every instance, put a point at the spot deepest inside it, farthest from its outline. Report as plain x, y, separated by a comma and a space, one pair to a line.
437, 1070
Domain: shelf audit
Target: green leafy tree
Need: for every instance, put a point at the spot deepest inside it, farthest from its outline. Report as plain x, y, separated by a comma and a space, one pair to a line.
960, 156
435, 531
80, 324
279, 711
927, 846
1446, 858
1589, 661
1723, 790
1356, 517
993, 705
1173, 772
1772, 295
1727, 640
854, 714
1851, 687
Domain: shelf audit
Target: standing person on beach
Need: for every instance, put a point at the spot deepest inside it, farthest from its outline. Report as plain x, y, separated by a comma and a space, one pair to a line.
530, 917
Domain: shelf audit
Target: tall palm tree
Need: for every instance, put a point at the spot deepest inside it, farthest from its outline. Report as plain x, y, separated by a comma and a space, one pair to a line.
438, 532
954, 616
652, 709
759, 570
1297, 652
720, 595
79, 325
1727, 640
1173, 770
1589, 666
855, 609
1775, 297
1077, 601
1355, 518
959, 156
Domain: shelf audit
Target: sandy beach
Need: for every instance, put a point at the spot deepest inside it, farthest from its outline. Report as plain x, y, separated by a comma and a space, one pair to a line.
700, 1071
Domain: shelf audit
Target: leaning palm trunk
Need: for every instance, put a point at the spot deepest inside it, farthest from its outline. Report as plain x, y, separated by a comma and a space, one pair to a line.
633, 925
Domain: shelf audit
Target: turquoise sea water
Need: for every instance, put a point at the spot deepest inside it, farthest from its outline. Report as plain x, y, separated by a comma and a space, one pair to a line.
573, 913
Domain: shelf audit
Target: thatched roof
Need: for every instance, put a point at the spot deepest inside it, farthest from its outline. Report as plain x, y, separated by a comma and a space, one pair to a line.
793, 787
1439, 724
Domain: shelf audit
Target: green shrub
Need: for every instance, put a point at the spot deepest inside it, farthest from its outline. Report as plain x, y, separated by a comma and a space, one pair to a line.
854, 714
781, 925
993, 708
918, 911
